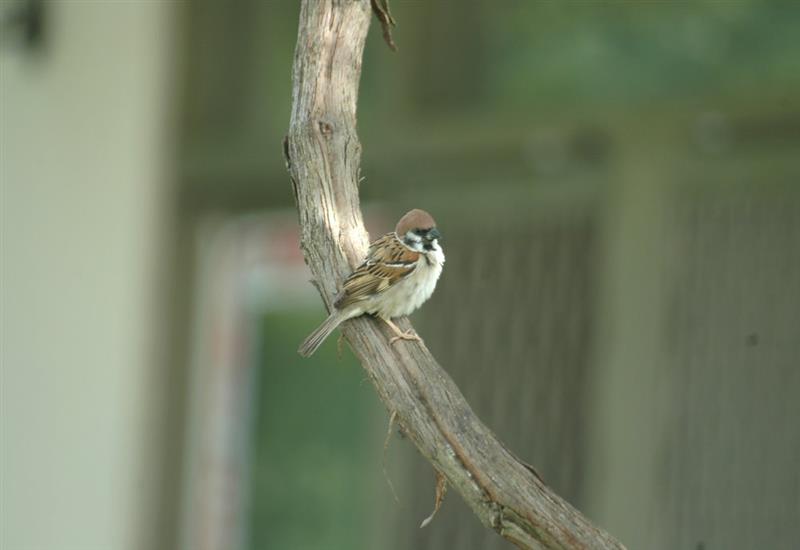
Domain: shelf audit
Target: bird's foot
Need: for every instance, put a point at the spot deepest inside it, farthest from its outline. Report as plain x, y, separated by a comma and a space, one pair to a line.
407, 335
401, 334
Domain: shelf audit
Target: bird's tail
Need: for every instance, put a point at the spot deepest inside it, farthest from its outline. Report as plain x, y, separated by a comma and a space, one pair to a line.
315, 339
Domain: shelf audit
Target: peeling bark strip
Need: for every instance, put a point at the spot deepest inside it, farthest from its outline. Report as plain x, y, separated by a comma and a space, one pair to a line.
381, 9
323, 155
441, 489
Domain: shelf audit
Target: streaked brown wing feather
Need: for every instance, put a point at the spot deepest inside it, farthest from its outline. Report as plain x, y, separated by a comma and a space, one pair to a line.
388, 261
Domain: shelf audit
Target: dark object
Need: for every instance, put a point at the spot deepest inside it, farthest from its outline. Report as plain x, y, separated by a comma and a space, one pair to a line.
24, 22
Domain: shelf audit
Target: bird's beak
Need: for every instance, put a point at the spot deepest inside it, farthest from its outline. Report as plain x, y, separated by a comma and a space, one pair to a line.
433, 234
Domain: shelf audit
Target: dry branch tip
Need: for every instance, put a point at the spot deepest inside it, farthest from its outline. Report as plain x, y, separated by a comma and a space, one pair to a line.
392, 418
381, 9
441, 489
340, 346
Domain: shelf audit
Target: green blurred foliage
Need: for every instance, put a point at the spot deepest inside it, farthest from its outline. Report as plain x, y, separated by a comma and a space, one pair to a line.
638, 52
478, 78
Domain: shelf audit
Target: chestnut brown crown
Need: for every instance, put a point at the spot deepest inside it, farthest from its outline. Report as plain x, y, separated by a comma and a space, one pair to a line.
414, 219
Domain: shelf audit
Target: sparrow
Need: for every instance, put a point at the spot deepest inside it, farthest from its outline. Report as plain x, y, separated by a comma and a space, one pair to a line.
398, 275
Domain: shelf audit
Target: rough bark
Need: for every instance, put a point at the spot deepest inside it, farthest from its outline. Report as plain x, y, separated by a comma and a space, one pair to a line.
323, 155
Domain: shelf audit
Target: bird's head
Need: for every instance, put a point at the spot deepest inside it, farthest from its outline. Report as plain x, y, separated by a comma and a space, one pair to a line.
418, 231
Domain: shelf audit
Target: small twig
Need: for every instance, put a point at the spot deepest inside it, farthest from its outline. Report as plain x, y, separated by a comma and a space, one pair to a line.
340, 346
392, 418
441, 489
381, 9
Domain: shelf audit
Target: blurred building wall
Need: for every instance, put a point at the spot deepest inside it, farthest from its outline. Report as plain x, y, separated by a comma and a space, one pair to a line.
695, 441
84, 178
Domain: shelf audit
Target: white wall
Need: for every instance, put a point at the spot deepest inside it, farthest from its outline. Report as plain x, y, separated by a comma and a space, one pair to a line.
84, 189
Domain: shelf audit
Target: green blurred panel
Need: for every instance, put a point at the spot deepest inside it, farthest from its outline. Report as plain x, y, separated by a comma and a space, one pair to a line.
309, 488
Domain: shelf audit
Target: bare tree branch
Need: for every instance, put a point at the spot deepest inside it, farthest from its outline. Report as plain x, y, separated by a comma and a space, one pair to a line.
323, 155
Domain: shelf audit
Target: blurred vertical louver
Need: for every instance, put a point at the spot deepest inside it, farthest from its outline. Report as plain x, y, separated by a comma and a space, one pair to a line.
511, 323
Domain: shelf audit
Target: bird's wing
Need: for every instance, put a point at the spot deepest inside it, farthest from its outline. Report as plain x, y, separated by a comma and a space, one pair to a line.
388, 262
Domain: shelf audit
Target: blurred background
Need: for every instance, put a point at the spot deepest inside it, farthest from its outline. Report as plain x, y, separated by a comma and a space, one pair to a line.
618, 185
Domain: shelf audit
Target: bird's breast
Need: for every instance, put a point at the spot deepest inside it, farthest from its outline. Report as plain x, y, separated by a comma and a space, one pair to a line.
410, 293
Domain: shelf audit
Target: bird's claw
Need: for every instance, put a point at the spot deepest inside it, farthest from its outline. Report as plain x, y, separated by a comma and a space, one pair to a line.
407, 335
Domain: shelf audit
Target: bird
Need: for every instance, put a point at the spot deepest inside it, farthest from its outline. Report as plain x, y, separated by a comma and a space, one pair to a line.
398, 275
